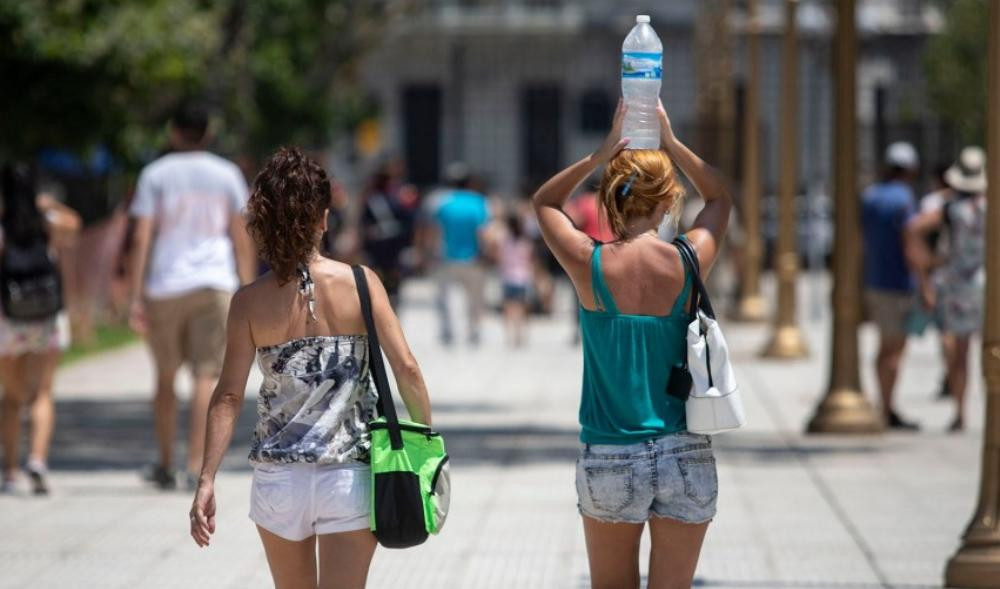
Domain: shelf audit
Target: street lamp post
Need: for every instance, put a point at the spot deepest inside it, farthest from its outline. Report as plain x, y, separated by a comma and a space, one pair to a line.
844, 408
786, 337
751, 307
977, 562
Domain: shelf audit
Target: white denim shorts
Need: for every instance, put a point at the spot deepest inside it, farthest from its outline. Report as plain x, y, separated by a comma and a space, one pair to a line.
297, 500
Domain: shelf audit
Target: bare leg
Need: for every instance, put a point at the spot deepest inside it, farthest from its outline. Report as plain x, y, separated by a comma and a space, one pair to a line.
203, 386
673, 556
292, 564
165, 415
508, 323
43, 414
473, 279
947, 346
344, 559
887, 365
958, 377
11, 373
518, 317
613, 554
443, 278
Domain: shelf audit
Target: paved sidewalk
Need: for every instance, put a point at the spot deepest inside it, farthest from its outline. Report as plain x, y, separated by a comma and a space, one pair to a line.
794, 511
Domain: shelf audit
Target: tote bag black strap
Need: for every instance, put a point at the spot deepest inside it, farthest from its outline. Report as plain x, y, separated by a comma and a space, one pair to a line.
386, 408
690, 258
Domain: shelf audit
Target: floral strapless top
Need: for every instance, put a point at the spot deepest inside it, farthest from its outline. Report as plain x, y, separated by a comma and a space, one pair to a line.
315, 402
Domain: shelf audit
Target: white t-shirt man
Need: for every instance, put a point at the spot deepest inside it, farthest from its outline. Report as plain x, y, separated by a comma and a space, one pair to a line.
191, 197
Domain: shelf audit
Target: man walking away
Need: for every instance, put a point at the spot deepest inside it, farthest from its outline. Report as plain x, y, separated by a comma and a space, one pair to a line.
460, 217
886, 207
191, 251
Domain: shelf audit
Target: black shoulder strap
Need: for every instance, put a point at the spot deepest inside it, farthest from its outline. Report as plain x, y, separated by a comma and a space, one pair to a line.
946, 212
699, 297
385, 406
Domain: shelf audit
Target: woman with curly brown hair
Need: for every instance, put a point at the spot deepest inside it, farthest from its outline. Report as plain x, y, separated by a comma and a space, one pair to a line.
638, 462
310, 448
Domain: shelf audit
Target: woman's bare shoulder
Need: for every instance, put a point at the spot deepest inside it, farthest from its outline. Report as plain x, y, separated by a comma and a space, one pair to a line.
257, 292
333, 273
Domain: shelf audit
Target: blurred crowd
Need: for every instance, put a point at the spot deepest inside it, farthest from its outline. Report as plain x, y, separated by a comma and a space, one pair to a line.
167, 259
924, 267
170, 256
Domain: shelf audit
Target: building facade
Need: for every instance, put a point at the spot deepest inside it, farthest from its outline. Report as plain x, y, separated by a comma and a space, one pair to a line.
519, 88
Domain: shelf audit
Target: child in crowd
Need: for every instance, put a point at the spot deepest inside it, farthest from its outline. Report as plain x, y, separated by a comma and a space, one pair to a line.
515, 275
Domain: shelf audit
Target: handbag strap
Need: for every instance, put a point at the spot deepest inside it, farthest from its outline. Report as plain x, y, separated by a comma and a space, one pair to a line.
699, 298
386, 408
690, 257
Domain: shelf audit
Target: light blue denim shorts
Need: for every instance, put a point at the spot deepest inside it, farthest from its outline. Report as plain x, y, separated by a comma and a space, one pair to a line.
673, 476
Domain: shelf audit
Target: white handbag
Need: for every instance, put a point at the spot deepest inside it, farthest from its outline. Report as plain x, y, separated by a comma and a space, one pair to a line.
714, 404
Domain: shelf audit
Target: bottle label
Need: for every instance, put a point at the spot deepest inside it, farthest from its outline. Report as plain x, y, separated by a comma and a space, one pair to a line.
642, 65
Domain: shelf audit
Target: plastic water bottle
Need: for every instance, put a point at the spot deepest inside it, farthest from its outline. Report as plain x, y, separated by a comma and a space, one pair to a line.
642, 69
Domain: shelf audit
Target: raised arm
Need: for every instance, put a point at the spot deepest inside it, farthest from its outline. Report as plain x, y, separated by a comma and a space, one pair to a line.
710, 225
571, 246
409, 379
223, 411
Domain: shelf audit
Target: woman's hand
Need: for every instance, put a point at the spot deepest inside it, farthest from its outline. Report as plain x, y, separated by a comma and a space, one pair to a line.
666, 131
614, 141
202, 516
928, 295
137, 318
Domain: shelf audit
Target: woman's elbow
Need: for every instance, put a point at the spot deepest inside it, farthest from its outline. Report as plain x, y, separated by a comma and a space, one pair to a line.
408, 370
227, 399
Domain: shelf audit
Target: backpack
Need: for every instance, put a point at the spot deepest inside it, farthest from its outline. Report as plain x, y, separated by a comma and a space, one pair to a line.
30, 287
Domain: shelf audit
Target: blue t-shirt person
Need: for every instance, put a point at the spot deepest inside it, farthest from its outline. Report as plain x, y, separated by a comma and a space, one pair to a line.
886, 207
461, 215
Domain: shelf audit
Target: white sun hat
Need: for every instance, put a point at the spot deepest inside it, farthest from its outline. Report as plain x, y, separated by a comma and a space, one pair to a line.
902, 155
968, 174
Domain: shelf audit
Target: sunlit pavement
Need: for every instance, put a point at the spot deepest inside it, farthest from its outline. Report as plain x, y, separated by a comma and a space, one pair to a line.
794, 511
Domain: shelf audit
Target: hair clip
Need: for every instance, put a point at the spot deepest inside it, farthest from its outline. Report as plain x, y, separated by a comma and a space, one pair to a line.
627, 187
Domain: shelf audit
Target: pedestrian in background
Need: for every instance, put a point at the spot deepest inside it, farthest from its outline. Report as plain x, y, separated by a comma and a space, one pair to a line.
937, 242
516, 259
585, 210
388, 209
310, 450
190, 253
885, 209
633, 293
33, 228
459, 216
959, 295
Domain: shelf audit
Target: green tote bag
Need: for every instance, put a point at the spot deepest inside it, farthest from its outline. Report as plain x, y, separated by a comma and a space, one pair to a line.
411, 486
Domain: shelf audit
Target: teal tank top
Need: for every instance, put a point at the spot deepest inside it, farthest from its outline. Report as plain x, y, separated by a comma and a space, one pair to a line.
626, 365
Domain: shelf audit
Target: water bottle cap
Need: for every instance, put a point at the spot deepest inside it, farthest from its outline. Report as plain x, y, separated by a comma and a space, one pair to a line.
639, 18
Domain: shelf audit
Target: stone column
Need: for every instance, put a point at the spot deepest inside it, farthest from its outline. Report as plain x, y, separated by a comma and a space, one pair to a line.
786, 340
844, 408
977, 562
751, 306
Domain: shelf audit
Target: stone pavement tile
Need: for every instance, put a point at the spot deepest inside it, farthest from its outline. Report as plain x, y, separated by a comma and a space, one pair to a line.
795, 511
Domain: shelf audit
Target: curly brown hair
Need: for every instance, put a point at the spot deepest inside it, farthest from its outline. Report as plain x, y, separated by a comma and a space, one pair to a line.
286, 208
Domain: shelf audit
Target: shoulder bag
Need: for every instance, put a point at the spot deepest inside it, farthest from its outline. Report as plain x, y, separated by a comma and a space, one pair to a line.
411, 484
714, 404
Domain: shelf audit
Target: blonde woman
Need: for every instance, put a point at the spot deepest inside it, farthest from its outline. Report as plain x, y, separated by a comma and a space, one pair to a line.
637, 464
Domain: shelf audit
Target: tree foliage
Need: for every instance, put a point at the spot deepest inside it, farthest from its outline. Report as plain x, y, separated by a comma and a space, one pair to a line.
955, 63
81, 73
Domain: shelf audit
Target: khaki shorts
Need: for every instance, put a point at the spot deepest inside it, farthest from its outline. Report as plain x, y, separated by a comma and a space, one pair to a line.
888, 310
189, 329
